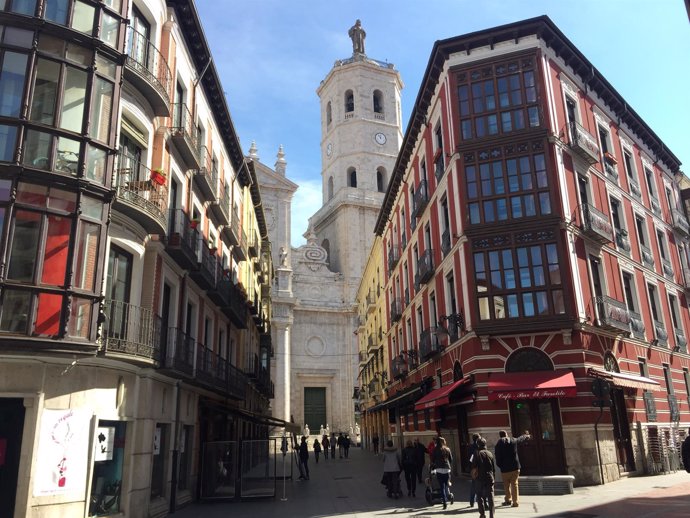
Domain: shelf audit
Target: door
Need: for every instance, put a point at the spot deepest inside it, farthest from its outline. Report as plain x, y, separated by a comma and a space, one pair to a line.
11, 429
315, 407
118, 285
621, 431
140, 36
543, 454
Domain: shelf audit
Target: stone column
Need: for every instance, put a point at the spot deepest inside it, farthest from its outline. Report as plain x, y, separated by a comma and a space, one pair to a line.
282, 409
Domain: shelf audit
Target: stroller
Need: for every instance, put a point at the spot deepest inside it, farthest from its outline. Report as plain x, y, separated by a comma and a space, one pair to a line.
392, 483
433, 490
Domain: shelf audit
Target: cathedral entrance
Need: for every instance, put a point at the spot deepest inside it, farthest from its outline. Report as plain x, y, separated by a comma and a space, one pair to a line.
315, 407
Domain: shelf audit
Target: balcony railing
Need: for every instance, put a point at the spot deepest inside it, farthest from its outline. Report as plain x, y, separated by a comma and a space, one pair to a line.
637, 325
206, 177
680, 222
183, 239
203, 366
205, 272
421, 199
237, 310
429, 344
393, 257
425, 268
232, 231
138, 196
583, 143
184, 134
595, 224
399, 367
237, 382
371, 344
178, 355
647, 256
220, 208
667, 268
240, 250
254, 246
148, 71
613, 314
445, 242
132, 331
396, 310
623, 241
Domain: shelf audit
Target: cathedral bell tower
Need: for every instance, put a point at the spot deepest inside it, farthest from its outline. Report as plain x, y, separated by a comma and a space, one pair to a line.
361, 135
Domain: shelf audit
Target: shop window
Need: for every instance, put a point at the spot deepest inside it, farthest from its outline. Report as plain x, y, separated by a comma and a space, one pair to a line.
108, 462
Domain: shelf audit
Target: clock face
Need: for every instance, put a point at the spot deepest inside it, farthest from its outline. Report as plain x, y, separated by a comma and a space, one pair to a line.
329, 149
380, 138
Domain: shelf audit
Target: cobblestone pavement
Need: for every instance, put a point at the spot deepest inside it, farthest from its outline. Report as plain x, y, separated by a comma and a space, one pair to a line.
350, 488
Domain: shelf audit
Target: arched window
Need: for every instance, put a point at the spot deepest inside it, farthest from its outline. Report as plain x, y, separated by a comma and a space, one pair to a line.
329, 114
378, 101
528, 359
381, 179
326, 245
353, 178
330, 187
349, 102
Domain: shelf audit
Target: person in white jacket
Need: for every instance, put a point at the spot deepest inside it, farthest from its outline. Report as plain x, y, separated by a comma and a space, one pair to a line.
392, 466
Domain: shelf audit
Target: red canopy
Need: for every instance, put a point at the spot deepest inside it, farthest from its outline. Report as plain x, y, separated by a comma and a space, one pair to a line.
440, 396
532, 385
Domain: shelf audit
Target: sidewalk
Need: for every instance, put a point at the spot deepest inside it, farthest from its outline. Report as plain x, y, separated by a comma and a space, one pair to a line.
351, 488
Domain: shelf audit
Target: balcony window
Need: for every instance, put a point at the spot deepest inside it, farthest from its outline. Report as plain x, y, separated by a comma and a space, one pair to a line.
498, 99
521, 282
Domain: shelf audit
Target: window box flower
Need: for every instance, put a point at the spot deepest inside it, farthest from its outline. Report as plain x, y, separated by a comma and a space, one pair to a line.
158, 176
610, 158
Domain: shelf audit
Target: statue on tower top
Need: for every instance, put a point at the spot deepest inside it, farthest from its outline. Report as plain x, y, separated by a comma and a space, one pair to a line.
357, 36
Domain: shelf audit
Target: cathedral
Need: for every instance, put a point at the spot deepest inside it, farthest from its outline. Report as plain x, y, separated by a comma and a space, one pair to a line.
315, 285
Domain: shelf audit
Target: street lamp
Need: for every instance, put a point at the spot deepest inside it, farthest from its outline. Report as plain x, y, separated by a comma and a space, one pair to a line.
455, 321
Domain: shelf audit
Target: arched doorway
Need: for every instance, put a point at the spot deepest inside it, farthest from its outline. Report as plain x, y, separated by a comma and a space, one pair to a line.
543, 454
620, 421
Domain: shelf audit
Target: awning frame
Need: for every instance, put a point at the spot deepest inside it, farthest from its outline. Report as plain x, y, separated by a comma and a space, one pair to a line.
624, 379
441, 396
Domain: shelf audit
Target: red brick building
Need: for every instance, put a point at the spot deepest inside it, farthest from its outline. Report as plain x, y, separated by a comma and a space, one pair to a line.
535, 241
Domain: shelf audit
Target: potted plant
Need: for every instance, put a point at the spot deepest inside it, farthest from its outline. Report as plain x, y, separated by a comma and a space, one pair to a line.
194, 223
158, 176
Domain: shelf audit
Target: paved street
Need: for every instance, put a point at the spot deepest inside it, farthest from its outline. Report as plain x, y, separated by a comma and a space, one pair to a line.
350, 488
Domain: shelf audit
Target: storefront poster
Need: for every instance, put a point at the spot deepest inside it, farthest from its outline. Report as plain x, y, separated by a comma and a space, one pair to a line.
63, 451
104, 443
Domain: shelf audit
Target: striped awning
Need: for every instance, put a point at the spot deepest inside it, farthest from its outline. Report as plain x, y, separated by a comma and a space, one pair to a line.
624, 379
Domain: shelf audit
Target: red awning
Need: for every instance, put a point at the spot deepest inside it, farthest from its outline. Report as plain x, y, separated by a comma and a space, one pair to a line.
440, 396
532, 385
625, 379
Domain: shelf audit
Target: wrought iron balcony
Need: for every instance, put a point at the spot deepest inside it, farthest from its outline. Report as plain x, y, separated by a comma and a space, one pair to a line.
221, 292
393, 257
612, 314
237, 383
595, 224
138, 196
220, 207
647, 256
177, 356
203, 366
371, 343
445, 242
429, 343
681, 341
184, 135
206, 177
371, 301
399, 367
237, 310
636, 325
396, 310
583, 143
148, 71
254, 246
183, 239
132, 333
623, 241
425, 268
239, 251
374, 387
205, 272
231, 232
667, 268
660, 333
680, 222
421, 199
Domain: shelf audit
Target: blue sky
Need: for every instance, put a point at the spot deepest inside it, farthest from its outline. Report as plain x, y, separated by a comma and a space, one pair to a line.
272, 54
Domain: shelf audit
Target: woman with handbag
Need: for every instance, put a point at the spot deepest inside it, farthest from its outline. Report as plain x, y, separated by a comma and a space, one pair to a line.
441, 461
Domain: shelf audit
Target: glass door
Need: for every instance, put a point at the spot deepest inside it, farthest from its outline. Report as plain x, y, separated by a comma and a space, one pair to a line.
543, 454
118, 286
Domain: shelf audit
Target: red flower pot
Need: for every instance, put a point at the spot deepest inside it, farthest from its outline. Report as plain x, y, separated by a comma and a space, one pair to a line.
158, 177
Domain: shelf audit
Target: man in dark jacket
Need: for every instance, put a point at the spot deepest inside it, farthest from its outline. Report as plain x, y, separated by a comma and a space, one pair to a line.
484, 462
473, 452
507, 459
419, 458
685, 452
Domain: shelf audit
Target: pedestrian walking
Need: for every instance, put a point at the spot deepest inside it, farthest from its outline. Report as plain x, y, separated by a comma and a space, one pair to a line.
483, 469
392, 466
304, 458
441, 461
317, 449
333, 443
473, 451
326, 446
341, 444
507, 459
409, 465
347, 442
685, 452
419, 459
375, 442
